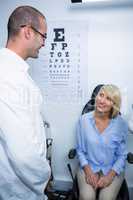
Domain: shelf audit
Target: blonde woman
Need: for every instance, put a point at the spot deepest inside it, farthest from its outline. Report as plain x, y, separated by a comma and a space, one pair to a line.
101, 147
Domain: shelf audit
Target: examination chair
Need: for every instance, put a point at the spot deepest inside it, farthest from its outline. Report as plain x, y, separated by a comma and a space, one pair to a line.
72, 193
123, 193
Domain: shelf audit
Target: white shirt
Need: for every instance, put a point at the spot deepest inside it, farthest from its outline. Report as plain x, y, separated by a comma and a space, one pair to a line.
24, 170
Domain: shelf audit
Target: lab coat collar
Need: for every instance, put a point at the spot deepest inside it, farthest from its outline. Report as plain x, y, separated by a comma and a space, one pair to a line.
19, 64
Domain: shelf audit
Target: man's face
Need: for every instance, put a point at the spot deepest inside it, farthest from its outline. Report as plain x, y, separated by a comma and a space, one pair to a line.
38, 39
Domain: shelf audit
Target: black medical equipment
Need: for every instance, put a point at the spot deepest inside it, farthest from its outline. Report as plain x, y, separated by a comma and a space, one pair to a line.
58, 190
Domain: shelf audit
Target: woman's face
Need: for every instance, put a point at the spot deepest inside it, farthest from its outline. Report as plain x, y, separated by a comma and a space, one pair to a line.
103, 102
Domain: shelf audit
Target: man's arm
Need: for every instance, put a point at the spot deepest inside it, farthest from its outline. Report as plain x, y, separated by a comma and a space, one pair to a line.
24, 146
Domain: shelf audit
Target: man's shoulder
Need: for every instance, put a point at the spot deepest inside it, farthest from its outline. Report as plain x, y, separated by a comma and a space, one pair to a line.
3, 53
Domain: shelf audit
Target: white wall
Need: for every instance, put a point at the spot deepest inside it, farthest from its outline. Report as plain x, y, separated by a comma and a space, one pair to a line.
110, 53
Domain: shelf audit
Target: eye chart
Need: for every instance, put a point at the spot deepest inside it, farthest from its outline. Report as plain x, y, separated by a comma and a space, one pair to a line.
62, 67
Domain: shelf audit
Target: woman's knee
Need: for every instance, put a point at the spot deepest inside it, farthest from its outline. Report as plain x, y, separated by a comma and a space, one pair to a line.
107, 194
87, 196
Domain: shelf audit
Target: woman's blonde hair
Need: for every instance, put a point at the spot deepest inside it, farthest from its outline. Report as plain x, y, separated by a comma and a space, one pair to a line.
114, 94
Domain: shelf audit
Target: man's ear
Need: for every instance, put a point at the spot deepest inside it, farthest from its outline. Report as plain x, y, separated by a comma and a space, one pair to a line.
27, 32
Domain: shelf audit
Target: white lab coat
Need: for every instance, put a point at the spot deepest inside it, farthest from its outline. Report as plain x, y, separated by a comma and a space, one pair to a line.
24, 170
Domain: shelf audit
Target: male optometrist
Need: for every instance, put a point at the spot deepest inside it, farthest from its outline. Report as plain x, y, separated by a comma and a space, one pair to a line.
24, 170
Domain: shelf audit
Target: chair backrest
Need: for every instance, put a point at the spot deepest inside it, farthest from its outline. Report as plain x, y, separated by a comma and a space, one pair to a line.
91, 103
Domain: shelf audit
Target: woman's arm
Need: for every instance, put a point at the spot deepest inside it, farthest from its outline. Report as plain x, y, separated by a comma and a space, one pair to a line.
121, 151
80, 145
90, 177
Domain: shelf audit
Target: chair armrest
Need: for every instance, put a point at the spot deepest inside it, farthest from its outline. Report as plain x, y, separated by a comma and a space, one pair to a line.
72, 153
130, 157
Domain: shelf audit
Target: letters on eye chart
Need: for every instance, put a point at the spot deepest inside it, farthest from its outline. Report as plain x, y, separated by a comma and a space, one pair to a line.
62, 64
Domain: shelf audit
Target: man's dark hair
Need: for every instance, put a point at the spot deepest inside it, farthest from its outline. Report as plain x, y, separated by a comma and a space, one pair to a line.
23, 15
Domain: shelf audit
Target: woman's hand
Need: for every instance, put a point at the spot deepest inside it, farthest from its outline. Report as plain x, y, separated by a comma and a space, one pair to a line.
91, 178
105, 181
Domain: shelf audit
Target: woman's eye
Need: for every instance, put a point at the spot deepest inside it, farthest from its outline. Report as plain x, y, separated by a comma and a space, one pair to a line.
109, 99
101, 94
